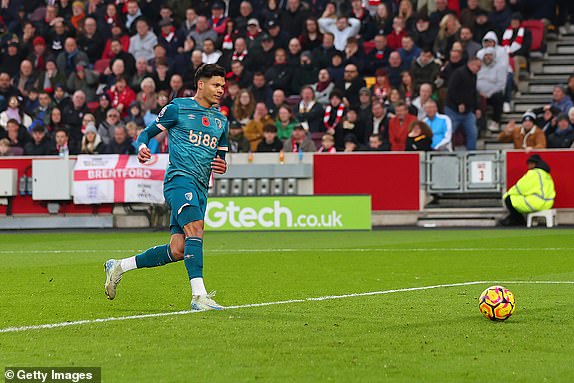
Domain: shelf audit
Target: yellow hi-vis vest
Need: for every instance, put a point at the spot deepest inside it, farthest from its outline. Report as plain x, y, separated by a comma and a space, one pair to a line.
533, 192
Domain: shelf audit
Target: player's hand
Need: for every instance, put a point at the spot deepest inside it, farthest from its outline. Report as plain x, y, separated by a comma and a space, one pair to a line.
144, 155
218, 165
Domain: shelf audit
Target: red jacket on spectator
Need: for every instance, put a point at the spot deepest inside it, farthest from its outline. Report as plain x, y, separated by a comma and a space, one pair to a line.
395, 40
121, 100
398, 132
125, 40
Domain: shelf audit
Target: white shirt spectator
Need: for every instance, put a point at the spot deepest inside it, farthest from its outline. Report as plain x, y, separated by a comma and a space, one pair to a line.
341, 35
142, 46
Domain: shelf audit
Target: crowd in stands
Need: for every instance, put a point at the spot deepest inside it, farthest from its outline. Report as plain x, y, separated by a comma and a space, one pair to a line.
302, 75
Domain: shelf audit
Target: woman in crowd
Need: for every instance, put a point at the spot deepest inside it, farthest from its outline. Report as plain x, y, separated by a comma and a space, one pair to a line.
147, 97
92, 142
419, 137
14, 111
311, 37
323, 87
285, 122
243, 107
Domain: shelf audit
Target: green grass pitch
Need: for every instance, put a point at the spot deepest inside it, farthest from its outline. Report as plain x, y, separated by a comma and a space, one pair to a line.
427, 335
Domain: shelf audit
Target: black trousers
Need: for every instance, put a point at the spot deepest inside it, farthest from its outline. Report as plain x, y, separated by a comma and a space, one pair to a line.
515, 216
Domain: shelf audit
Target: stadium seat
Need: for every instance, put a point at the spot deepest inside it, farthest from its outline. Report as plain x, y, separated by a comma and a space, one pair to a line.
293, 100
548, 215
536, 28
370, 81
101, 65
93, 106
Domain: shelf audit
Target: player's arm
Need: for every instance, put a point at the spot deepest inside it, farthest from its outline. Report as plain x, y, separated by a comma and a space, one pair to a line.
166, 119
219, 165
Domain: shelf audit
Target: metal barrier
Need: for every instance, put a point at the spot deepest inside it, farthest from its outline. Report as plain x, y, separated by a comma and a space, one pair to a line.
464, 172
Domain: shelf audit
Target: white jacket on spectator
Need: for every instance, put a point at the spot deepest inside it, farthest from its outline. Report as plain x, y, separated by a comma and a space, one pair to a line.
500, 54
491, 78
329, 25
143, 47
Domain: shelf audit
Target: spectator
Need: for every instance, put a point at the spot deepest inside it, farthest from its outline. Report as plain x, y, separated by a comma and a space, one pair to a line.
440, 12
261, 91
61, 98
160, 54
528, 136
55, 120
447, 34
245, 13
202, 32
63, 146
364, 110
351, 143
354, 54
57, 36
533, 192
104, 104
461, 103
40, 144
218, 19
14, 111
310, 112
42, 111
399, 127
425, 94
117, 33
118, 53
5, 149
383, 19
546, 119
48, 79
466, 38
424, 34
70, 57
299, 142
143, 42
322, 54
292, 19
237, 141
134, 115
337, 67
342, 27
351, 125
378, 123
395, 69
188, 25
108, 127
25, 80
378, 57
92, 142
303, 74
147, 97
560, 100
210, 54
376, 143
10, 60
239, 53
469, 14
454, 62
407, 90
323, 87
294, 52
243, 107
409, 51
490, 83
327, 144
265, 56
120, 144
367, 31
90, 40
440, 125
167, 38
140, 75
517, 41
84, 79
382, 87
253, 130
177, 88
280, 37
88, 119
162, 100
311, 38
18, 136
563, 136
121, 96
39, 54
351, 85
424, 69
270, 142
285, 122
395, 38
500, 16
279, 75
419, 137
133, 15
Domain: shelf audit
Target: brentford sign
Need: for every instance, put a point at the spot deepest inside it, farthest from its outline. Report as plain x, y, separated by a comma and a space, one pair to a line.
119, 178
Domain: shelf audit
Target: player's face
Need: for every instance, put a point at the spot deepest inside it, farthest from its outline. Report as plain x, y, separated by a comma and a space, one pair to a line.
212, 89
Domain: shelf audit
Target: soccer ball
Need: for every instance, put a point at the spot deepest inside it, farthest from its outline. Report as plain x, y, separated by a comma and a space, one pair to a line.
496, 303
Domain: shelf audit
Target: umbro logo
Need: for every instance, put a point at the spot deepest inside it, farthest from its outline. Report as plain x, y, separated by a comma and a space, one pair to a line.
191, 116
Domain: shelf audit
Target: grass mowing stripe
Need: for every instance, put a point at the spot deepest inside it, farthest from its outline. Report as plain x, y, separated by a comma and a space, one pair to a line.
290, 250
323, 298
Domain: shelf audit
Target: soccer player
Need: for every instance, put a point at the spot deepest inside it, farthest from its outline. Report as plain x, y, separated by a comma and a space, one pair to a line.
197, 133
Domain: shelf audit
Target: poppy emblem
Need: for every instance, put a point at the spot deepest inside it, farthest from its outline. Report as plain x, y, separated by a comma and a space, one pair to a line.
205, 121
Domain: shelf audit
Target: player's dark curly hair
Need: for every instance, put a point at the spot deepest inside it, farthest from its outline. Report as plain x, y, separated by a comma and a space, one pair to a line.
208, 71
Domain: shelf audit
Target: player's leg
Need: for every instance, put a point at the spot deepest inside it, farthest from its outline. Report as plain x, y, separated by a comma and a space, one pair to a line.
154, 256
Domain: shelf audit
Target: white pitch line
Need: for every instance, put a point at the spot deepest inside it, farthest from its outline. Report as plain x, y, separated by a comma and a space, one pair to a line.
323, 298
293, 250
